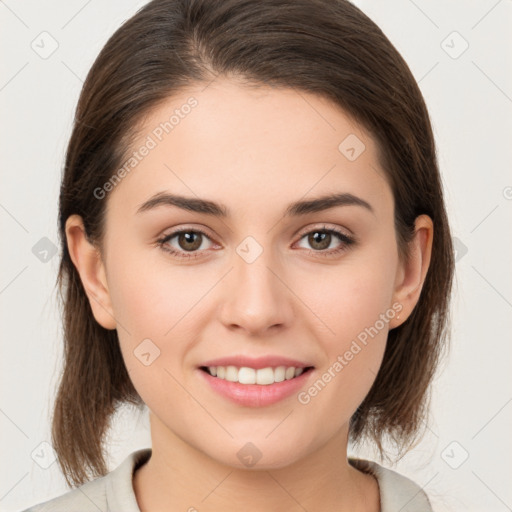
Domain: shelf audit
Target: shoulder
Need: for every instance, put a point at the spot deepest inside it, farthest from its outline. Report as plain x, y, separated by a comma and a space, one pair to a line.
397, 492
111, 492
90, 496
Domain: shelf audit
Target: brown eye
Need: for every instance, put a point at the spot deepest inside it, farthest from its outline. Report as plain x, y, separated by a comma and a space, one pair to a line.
189, 240
186, 241
319, 240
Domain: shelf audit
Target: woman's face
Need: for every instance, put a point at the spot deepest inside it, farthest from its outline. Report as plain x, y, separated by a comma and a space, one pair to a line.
262, 281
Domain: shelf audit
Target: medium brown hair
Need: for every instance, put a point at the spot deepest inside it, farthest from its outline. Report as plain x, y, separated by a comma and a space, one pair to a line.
325, 47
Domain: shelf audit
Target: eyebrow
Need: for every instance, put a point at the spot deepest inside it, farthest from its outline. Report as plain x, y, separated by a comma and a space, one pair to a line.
220, 210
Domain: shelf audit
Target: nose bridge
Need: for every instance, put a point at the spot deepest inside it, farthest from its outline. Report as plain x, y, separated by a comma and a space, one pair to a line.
256, 297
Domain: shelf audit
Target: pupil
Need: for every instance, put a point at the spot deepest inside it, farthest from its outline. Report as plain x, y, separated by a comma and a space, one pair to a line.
321, 238
188, 237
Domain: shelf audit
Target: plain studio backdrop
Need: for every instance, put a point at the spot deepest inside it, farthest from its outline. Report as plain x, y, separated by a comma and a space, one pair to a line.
459, 52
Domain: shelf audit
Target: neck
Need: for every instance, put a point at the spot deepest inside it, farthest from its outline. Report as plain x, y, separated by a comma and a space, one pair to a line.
180, 477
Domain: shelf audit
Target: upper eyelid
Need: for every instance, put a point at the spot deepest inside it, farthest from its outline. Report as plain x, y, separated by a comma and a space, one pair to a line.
178, 231
324, 227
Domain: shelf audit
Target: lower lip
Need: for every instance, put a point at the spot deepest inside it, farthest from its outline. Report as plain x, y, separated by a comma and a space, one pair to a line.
256, 395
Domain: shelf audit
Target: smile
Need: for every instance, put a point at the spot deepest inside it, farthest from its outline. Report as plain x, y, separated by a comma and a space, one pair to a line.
263, 376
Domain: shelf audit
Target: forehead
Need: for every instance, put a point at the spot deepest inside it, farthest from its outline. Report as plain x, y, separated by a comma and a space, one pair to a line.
250, 148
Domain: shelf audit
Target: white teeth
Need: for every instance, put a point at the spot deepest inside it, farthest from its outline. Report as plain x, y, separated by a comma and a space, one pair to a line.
279, 374
264, 376
246, 376
231, 373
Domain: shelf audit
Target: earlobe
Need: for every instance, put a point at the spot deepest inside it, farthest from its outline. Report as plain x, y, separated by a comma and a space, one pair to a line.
412, 273
87, 260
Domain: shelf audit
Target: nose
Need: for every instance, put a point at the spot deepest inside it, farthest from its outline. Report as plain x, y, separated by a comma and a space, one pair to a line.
256, 296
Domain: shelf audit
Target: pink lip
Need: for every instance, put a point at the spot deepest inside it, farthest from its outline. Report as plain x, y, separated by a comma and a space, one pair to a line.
256, 363
255, 395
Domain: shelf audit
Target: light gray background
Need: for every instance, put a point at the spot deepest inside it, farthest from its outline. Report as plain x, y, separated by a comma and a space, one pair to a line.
469, 95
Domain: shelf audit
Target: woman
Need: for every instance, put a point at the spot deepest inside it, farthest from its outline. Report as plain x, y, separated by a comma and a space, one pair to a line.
254, 246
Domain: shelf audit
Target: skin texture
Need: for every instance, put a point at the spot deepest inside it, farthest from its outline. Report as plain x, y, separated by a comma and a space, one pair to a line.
256, 151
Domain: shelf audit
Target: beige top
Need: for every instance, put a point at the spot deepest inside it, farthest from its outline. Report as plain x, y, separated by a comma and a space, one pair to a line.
114, 491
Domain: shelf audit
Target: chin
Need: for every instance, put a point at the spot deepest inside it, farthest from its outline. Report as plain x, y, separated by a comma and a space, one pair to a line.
260, 454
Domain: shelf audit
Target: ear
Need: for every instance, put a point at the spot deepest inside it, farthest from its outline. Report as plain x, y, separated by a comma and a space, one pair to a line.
411, 273
87, 259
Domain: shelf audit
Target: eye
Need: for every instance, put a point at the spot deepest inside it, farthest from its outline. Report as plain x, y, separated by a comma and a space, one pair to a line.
320, 239
188, 241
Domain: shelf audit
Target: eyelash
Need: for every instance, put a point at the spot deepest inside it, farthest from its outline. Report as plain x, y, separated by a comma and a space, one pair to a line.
347, 242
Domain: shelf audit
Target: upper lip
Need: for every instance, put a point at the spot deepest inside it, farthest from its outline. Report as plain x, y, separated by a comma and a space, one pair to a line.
256, 362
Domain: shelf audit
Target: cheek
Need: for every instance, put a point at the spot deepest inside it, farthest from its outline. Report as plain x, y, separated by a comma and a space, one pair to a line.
353, 304
358, 315
351, 296
150, 294
157, 301
154, 307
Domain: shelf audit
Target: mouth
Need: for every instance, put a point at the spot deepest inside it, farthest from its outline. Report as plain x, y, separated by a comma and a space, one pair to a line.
262, 376
256, 381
